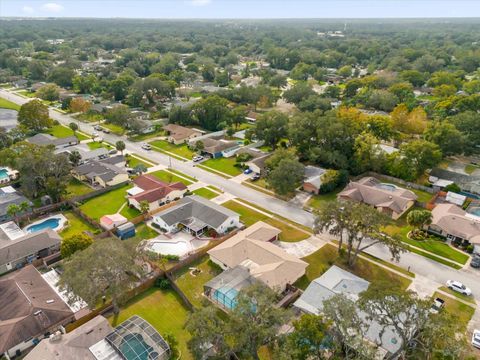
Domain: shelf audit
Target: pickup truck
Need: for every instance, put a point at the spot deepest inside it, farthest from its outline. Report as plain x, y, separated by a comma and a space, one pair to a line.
437, 305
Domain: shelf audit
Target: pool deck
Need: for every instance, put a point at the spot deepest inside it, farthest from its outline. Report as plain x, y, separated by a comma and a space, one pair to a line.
63, 223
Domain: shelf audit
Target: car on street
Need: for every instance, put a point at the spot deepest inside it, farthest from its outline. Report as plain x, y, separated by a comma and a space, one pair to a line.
476, 338
98, 127
106, 131
113, 152
475, 263
255, 177
458, 287
197, 158
146, 146
437, 305
95, 134
248, 171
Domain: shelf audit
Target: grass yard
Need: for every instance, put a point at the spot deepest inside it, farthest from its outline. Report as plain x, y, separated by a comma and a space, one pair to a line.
26, 93
164, 311
466, 298
93, 145
90, 117
224, 165
436, 247
116, 129
143, 137
470, 168
192, 286
462, 312
167, 177
60, 131
192, 179
206, 193
142, 232
76, 188
323, 259
109, 203
76, 225
133, 161
180, 150
249, 217
316, 201
5, 104
214, 189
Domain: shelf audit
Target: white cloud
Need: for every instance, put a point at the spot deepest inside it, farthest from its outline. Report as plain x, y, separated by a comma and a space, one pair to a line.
200, 2
52, 7
27, 9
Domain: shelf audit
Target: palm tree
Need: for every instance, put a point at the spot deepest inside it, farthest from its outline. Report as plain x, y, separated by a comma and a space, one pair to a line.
144, 207
74, 127
140, 169
25, 208
13, 210
120, 146
75, 157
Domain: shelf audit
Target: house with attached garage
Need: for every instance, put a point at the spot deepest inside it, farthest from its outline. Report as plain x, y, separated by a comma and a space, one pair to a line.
313, 179
178, 134
47, 139
99, 173
197, 215
10, 196
155, 192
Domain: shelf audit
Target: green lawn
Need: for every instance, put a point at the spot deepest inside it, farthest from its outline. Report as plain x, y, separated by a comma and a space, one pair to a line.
97, 145
60, 131
89, 117
192, 179
224, 165
214, 189
76, 187
470, 168
5, 104
27, 93
167, 177
206, 193
321, 260
133, 161
466, 298
180, 150
116, 129
316, 201
144, 137
462, 312
249, 217
436, 247
143, 232
76, 225
108, 203
164, 311
192, 285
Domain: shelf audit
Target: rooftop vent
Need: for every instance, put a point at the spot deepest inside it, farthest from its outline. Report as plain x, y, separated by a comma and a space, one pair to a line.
38, 312
50, 301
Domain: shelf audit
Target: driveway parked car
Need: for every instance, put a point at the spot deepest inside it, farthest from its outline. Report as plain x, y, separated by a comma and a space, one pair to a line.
248, 171
98, 127
476, 338
146, 146
255, 177
475, 263
437, 305
459, 287
197, 158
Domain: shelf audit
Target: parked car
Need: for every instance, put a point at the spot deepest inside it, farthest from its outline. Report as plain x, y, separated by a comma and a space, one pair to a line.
475, 263
197, 158
248, 171
146, 146
113, 152
476, 338
106, 131
95, 134
437, 305
459, 287
98, 127
255, 177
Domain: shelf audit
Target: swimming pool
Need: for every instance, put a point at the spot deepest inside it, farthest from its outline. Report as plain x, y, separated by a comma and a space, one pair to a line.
134, 347
386, 186
3, 174
55, 223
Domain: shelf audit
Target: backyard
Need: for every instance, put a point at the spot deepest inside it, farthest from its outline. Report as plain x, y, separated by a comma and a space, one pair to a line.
206, 193
5, 104
109, 203
192, 285
323, 259
180, 150
249, 217
224, 165
164, 311
76, 225
76, 188
169, 177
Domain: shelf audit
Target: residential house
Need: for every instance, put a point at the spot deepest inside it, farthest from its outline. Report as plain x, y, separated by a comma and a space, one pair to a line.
454, 223
441, 178
20, 83
18, 248
29, 310
157, 193
219, 147
252, 117
389, 199
100, 173
86, 155
313, 179
257, 165
197, 215
338, 281
180, 134
10, 196
47, 139
35, 86
117, 160
74, 345
253, 249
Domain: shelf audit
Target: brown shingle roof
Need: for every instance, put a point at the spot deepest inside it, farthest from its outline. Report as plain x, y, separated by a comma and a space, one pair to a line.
455, 221
178, 132
24, 311
154, 189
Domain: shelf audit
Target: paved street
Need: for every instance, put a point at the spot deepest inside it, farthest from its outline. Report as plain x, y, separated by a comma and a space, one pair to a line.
416, 263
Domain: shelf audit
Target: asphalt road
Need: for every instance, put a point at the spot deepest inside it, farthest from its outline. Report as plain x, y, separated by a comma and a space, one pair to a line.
418, 264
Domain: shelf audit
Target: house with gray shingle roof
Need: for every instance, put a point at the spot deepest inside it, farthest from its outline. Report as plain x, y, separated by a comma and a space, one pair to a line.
313, 179
100, 173
47, 139
197, 215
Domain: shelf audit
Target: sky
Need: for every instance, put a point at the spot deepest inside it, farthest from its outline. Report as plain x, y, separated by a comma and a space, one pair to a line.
215, 9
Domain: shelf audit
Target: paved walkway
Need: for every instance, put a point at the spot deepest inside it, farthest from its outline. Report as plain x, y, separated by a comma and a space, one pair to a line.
223, 198
302, 248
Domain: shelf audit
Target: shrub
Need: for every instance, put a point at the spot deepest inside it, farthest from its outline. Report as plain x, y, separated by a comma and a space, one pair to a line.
162, 283
244, 157
333, 179
469, 249
453, 188
172, 257
55, 122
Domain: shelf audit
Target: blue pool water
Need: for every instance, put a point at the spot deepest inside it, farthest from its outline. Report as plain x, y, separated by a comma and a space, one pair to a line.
3, 174
134, 347
51, 223
226, 296
385, 186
